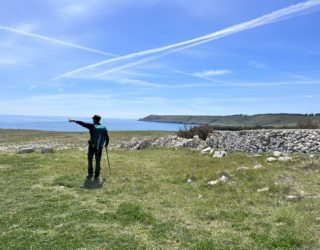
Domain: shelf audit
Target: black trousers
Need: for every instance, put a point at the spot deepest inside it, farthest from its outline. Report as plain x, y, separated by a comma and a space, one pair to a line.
97, 153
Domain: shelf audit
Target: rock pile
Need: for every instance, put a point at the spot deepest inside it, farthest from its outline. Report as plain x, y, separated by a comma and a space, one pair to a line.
171, 141
250, 141
258, 141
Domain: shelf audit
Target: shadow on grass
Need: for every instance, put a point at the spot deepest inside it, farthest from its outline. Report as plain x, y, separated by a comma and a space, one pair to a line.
93, 183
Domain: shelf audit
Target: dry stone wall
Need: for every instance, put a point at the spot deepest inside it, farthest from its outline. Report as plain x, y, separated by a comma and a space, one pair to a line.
250, 141
258, 141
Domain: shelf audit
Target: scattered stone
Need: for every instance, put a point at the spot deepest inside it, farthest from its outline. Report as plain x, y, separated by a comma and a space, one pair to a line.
292, 198
258, 166
311, 156
271, 159
257, 155
266, 189
219, 154
189, 181
25, 150
212, 183
200, 196
223, 178
277, 153
242, 168
285, 158
45, 150
206, 150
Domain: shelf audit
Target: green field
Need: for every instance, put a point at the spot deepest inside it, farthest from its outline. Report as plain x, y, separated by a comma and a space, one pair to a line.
146, 203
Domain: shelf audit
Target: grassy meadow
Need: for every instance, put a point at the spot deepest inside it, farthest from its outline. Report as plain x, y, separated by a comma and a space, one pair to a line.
146, 202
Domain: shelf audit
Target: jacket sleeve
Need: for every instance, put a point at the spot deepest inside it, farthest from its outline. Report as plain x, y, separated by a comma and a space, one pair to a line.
107, 139
84, 124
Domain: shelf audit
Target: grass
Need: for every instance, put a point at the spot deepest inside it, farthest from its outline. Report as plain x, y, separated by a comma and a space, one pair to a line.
147, 204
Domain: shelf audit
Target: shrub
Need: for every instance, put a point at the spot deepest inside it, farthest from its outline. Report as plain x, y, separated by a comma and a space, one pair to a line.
189, 132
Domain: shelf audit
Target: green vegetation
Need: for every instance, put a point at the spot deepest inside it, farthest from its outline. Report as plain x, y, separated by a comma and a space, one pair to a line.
46, 203
243, 121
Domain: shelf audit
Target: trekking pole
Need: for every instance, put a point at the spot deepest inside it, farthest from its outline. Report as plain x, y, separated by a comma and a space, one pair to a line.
108, 160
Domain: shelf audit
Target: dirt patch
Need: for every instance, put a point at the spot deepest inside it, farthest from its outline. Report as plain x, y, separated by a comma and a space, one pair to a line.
2, 166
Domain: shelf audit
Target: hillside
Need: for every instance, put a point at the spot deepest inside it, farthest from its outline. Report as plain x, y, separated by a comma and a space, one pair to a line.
259, 120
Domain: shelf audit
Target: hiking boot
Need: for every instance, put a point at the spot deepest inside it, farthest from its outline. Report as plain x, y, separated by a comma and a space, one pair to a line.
89, 176
96, 177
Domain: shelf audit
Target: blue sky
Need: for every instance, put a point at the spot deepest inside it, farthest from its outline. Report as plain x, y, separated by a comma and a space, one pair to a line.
79, 57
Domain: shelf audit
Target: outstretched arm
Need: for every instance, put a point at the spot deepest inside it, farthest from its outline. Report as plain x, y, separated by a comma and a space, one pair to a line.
83, 124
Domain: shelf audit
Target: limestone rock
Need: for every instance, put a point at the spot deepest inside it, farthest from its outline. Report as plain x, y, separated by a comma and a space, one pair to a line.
285, 158
258, 166
45, 150
25, 150
271, 159
219, 154
212, 183
266, 189
277, 153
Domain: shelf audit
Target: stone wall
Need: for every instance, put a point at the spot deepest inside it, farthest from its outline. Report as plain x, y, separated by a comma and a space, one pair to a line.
258, 141
250, 141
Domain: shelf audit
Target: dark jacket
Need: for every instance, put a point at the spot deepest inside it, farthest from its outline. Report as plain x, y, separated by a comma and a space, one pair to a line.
90, 126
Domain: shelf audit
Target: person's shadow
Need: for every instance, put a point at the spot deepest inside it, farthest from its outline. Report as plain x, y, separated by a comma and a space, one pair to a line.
93, 183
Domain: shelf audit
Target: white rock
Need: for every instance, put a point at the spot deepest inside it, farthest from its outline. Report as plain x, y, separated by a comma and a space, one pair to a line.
266, 189
189, 181
257, 166
206, 150
242, 168
257, 155
212, 183
200, 196
211, 151
292, 198
271, 159
277, 153
219, 154
224, 178
285, 158
311, 156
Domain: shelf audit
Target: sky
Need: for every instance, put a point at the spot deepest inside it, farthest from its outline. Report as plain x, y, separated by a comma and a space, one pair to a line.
133, 58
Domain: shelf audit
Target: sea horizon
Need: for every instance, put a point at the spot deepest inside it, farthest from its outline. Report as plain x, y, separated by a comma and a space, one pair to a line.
61, 124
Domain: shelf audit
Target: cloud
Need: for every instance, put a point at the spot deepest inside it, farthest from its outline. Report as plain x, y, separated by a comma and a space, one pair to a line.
208, 73
258, 65
55, 41
279, 15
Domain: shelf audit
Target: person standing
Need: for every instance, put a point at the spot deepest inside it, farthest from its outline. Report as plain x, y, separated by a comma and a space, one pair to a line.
98, 138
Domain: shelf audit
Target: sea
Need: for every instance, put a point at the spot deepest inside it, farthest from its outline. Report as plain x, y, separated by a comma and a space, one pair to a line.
58, 123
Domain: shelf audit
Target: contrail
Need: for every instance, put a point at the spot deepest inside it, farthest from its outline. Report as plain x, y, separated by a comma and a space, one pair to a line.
52, 40
276, 16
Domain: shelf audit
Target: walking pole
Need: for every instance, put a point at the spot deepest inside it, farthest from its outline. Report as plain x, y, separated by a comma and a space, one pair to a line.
108, 160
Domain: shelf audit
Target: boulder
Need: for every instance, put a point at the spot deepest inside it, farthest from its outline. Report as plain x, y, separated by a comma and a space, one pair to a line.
271, 159
219, 154
285, 158
277, 153
45, 150
223, 178
206, 150
25, 150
